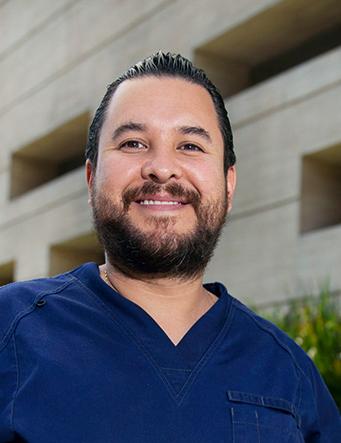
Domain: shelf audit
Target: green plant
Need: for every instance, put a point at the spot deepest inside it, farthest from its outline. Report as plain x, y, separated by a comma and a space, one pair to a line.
314, 322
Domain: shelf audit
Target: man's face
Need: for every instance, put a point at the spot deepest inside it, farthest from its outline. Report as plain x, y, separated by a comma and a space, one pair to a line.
159, 193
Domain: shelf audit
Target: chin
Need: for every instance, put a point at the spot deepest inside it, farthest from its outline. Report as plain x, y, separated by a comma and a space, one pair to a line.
163, 223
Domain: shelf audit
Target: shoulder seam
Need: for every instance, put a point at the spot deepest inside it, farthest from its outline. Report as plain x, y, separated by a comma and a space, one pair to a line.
28, 310
17, 384
299, 371
268, 330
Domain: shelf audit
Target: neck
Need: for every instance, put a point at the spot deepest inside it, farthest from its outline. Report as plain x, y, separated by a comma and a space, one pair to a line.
174, 304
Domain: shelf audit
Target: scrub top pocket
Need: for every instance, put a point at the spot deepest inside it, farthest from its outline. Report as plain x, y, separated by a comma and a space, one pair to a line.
261, 419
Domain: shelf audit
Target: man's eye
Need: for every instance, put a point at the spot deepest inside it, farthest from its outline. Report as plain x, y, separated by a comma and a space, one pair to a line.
132, 144
190, 147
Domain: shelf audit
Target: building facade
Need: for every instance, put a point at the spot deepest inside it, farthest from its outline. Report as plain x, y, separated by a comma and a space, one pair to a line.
277, 63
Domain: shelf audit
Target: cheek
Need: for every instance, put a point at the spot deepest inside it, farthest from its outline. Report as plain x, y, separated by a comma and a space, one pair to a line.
116, 174
209, 179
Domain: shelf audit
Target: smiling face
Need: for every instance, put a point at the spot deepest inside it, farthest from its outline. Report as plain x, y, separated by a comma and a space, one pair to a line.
159, 174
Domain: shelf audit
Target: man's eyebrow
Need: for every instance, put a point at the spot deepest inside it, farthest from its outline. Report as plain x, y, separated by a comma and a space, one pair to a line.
125, 127
186, 130
195, 130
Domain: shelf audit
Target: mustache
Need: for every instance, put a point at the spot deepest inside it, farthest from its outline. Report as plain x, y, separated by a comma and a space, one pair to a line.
173, 189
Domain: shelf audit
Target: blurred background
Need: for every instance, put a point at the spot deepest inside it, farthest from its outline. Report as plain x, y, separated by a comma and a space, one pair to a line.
277, 63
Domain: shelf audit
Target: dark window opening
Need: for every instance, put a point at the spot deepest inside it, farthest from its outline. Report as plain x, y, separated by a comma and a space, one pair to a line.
311, 48
276, 39
321, 189
6, 273
49, 157
74, 252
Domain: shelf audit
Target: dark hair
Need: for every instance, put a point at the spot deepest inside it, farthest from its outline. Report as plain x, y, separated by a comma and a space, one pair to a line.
170, 65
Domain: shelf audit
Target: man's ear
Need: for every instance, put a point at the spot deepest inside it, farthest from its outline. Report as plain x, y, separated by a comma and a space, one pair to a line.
231, 180
90, 176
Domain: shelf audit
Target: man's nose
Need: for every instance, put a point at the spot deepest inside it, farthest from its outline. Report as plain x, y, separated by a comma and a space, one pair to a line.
161, 167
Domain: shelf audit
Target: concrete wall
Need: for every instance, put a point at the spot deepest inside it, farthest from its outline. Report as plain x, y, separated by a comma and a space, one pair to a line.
275, 125
56, 59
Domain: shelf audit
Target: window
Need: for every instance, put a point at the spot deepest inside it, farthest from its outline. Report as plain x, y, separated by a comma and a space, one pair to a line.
6, 273
49, 157
74, 252
269, 43
321, 189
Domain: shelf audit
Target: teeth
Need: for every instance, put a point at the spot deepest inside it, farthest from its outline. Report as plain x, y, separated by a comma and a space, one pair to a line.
157, 202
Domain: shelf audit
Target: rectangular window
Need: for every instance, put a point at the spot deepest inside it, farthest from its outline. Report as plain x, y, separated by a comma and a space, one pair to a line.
74, 252
276, 39
49, 157
6, 273
321, 189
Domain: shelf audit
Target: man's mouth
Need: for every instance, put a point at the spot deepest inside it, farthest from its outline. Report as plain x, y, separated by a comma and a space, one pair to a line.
159, 202
152, 196
163, 200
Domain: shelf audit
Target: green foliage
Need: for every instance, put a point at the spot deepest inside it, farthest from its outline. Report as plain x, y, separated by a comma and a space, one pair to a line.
315, 324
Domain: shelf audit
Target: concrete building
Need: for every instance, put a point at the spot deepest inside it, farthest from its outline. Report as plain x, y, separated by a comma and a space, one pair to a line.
278, 63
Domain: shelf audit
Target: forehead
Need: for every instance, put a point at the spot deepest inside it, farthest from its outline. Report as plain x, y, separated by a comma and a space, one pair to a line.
162, 102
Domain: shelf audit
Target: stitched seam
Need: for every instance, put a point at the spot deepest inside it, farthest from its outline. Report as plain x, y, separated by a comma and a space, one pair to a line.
233, 426
299, 402
299, 371
262, 401
257, 421
313, 397
126, 331
176, 396
209, 352
290, 409
17, 383
27, 311
268, 330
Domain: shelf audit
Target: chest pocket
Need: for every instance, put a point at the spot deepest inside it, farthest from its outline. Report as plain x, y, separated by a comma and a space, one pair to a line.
260, 419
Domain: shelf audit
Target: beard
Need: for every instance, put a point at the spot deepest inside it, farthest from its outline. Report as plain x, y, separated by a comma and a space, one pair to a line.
158, 251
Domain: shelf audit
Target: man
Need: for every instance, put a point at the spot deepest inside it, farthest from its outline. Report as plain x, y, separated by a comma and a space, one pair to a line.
138, 349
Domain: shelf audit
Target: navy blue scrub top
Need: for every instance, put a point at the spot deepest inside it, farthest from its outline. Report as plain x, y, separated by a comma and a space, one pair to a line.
81, 363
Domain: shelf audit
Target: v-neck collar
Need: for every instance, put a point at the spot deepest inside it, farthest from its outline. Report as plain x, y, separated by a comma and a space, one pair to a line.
176, 361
